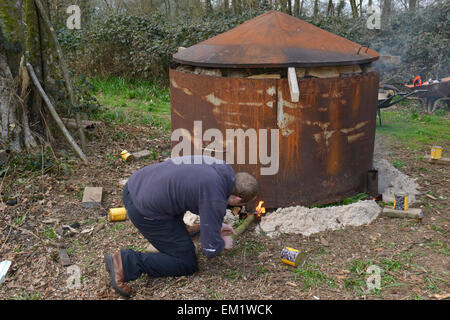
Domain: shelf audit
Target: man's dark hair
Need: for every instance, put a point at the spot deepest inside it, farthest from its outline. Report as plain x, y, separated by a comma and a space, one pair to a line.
245, 186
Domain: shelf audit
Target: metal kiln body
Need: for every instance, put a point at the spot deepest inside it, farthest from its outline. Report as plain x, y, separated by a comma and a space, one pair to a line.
326, 140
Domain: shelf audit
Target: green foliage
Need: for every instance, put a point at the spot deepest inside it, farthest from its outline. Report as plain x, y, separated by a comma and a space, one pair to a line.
141, 47
346, 201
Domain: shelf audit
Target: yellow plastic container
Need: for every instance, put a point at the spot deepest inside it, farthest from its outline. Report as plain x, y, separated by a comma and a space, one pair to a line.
126, 155
436, 152
117, 214
292, 257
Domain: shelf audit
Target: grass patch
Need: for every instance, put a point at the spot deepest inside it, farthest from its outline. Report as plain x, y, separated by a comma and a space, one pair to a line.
415, 129
438, 247
133, 102
49, 233
346, 201
310, 276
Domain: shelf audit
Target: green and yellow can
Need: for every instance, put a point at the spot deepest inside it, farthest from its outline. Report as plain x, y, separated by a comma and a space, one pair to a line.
117, 214
436, 152
293, 257
401, 201
126, 155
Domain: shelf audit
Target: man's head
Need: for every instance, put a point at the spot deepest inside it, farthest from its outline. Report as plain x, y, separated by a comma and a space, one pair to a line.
244, 190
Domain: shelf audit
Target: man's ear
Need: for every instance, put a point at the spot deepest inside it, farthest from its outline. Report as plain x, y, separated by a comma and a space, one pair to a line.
234, 200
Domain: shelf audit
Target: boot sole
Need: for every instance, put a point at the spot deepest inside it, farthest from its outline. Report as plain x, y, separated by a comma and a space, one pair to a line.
110, 268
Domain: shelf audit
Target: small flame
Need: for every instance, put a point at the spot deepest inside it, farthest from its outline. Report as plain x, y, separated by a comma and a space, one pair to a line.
260, 210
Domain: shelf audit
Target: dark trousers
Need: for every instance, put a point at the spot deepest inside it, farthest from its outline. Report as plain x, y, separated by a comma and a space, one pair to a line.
176, 256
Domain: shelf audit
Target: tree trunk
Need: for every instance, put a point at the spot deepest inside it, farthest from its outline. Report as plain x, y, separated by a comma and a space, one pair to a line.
208, 5
354, 8
387, 6
23, 38
340, 7
412, 5
316, 9
289, 7
297, 8
330, 8
237, 5
11, 128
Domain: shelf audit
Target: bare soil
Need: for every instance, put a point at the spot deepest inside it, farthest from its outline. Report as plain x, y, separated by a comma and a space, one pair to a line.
413, 255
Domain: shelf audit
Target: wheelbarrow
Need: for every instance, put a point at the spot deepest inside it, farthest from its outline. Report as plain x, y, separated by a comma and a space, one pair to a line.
435, 92
388, 92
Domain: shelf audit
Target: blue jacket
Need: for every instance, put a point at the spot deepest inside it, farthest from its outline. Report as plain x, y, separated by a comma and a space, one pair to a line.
197, 184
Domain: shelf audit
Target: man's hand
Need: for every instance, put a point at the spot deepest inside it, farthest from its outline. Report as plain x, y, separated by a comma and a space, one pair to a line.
227, 230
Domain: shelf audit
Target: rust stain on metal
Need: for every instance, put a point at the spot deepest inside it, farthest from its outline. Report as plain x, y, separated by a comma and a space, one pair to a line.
275, 39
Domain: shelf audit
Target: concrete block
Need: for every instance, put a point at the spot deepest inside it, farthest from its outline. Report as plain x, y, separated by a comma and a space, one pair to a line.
92, 197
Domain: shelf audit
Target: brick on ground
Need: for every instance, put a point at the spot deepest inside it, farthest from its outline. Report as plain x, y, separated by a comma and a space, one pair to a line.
92, 197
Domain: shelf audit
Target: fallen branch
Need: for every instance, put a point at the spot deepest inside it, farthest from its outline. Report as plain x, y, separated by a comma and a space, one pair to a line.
64, 69
244, 226
55, 114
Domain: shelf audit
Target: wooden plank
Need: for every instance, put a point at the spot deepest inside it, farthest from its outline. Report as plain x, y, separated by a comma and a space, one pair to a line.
437, 161
323, 72
265, 76
141, 154
293, 85
415, 213
300, 72
92, 197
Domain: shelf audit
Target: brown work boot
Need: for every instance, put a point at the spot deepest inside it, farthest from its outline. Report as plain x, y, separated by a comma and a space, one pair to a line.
115, 270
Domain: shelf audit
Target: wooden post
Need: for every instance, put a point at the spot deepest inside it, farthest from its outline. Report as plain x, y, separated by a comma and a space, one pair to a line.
55, 114
293, 85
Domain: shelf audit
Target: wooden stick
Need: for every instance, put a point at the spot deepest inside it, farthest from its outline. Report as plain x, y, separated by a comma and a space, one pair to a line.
415, 213
55, 114
293, 85
64, 69
437, 161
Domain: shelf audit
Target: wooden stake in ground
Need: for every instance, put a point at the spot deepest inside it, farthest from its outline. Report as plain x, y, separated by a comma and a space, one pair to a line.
64, 69
55, 114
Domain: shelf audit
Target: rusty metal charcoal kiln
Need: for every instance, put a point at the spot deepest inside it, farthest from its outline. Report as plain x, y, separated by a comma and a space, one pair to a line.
239, 80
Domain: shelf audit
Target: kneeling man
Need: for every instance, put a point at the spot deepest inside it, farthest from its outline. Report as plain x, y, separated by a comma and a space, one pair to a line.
156, 198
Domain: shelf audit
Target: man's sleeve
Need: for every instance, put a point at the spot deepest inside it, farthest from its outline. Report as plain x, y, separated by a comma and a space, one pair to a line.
212, 213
